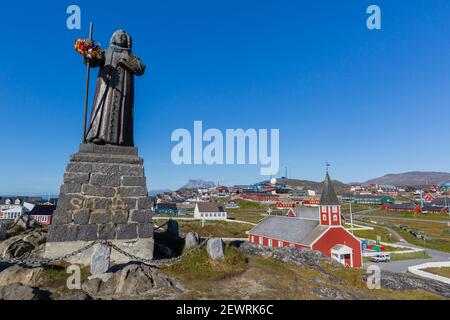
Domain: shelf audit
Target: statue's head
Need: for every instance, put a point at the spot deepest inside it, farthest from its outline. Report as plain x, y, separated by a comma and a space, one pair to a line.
122, 39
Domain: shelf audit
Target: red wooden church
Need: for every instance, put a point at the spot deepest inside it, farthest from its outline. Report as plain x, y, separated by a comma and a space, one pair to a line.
323, 232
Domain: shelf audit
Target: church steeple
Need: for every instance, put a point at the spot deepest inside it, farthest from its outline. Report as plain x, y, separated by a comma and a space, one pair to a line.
328, 194
330, 208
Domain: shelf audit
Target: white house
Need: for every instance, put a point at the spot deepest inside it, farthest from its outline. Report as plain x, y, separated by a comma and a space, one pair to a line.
209, 211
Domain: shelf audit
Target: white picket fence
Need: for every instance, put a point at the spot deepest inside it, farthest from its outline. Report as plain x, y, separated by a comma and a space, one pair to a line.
418, 270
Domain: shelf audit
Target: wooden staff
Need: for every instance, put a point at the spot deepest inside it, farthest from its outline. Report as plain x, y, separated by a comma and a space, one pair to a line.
86, 94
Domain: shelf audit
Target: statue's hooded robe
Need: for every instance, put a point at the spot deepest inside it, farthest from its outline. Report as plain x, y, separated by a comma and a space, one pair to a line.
112, 112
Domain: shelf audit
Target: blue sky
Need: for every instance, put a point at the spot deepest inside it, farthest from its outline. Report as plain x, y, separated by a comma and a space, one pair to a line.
369, 102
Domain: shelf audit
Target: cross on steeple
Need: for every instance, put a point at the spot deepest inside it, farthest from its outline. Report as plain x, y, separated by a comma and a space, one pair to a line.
327, 165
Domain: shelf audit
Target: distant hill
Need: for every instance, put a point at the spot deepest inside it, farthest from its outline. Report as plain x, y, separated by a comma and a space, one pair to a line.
415, 178
198, 183
156, 192
339, 186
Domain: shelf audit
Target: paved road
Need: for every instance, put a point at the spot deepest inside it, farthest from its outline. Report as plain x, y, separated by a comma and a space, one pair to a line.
401, 266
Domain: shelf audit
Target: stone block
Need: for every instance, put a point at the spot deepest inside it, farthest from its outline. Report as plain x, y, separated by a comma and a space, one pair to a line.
106, 232
97, 203
78, 178
105, 168
130, 203
70, 202
61, 233
70, 188
100, 217
78, 167
106, 192
119, 216
62, 217
108, 149
81, 216
87, 232
106, 158
105, 180
128, 170
133, 191
127, 231
145, 230
100, 259
129, 181
141, 216
145, 203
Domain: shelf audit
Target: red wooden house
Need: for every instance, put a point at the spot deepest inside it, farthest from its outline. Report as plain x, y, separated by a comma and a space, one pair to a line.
311, 202
322, 231
285, 204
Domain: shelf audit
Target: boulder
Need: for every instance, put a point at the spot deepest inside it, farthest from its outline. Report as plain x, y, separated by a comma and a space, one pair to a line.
214, 246
100, 259
191, 240
16, 274
131, 281
17, 292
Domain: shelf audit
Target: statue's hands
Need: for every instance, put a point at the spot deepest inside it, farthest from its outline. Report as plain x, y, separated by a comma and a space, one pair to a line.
124, 56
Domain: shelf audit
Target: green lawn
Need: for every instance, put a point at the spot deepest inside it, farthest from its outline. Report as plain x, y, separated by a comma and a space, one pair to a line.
221, 229
386, 236
403, 256
439, 232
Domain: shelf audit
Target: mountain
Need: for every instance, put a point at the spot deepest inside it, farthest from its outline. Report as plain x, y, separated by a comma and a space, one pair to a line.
340, 187
198, 183
415, 178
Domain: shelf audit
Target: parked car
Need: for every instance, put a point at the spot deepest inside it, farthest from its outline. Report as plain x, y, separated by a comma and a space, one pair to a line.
385, 257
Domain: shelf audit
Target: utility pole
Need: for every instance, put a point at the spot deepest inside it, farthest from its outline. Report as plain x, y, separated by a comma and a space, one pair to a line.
351, 217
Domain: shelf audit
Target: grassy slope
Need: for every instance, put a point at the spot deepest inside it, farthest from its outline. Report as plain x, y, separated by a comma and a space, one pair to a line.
439, 232
254, 277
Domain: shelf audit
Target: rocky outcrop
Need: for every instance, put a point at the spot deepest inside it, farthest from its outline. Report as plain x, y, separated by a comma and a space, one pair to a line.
22, 244
25, 276
21, 292
403, 282
134, 280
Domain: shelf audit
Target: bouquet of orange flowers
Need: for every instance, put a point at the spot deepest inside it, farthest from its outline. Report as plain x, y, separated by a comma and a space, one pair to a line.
88, 48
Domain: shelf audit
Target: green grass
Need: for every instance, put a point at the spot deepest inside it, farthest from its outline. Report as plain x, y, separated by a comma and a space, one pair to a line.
404, 256
426, 216
223, 229
386, 236
436, 244
410, 256
196, 265
444, 272
55, 275
245, 204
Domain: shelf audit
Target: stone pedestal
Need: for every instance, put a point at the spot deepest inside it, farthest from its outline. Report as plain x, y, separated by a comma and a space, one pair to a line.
103, 197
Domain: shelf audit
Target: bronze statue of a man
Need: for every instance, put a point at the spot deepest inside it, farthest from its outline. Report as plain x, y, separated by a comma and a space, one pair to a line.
111, 119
